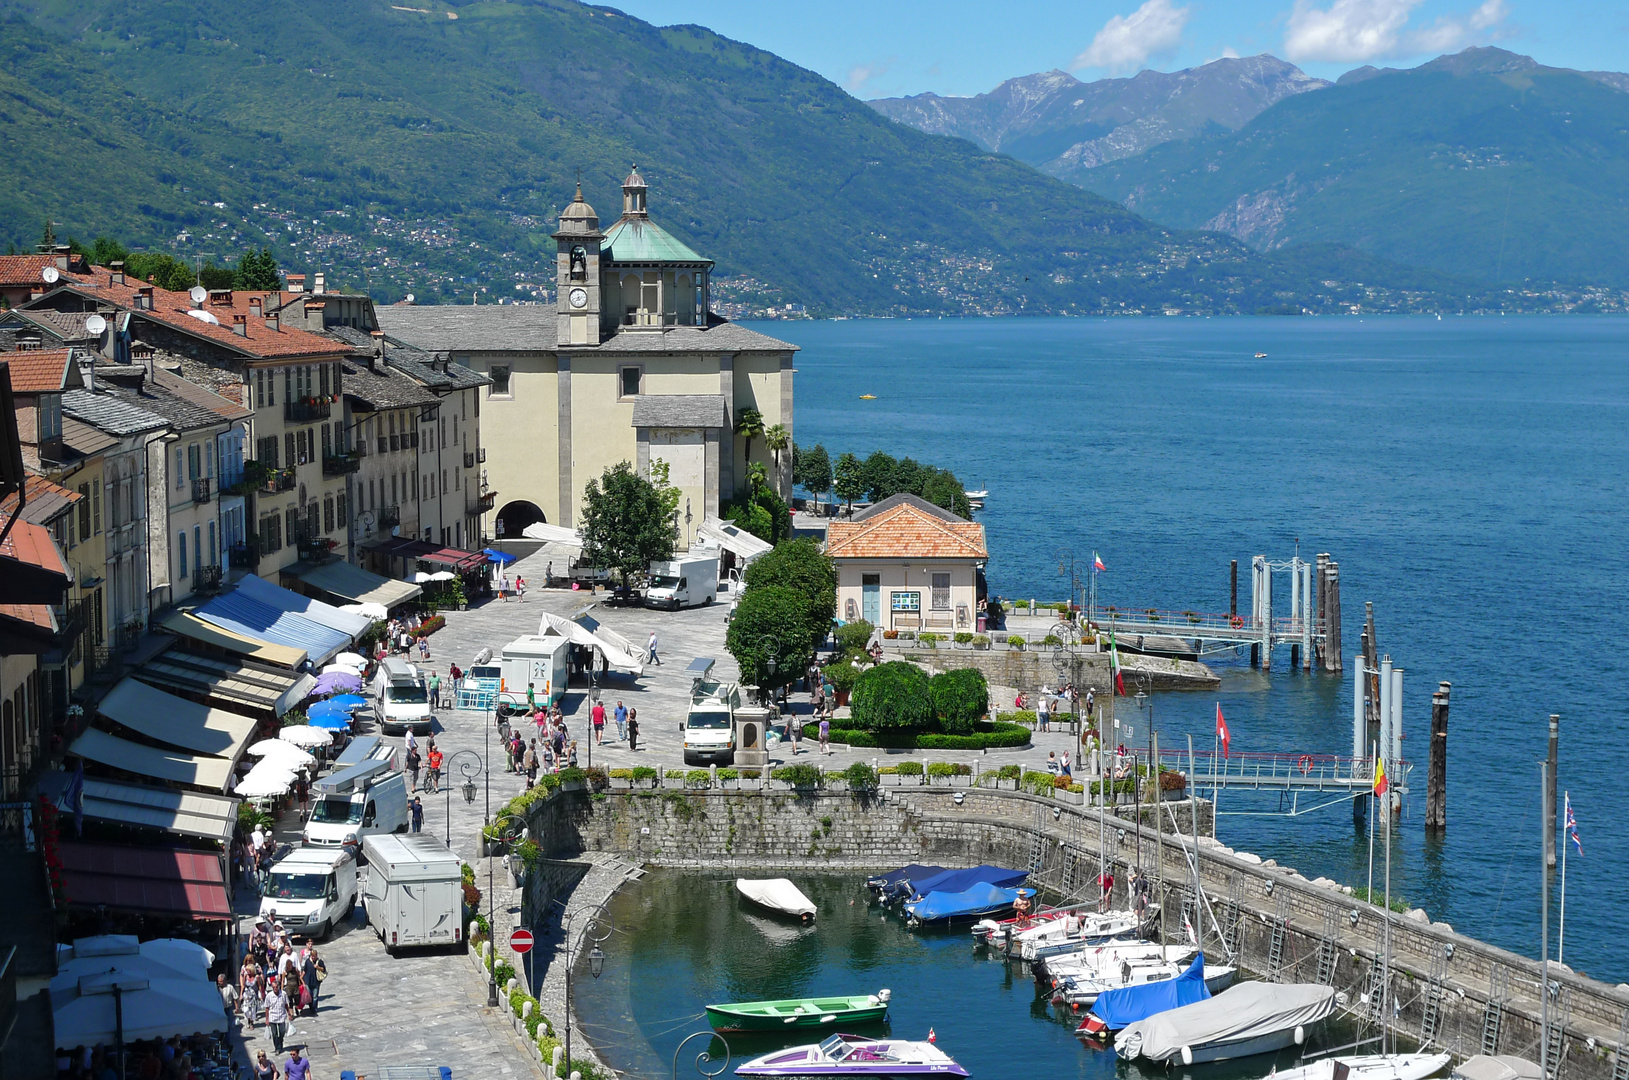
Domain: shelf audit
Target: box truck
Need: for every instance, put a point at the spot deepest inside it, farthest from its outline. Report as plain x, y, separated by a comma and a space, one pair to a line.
538, 662
709, 727
687, 582
369, 797
401, 698
311, 889
415, 891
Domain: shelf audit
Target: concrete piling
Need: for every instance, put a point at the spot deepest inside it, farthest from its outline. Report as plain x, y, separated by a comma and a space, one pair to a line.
1549, 791
1436, 781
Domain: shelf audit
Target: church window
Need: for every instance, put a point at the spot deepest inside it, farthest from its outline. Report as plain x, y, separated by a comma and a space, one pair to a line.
630, 381
500, 380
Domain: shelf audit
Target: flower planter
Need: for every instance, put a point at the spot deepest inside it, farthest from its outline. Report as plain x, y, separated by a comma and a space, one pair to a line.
896, 780
729, 785
621, 783
842, 698
938, 781
1074, 798
779, 785
574, 785
961, 781
836, 785
1006, 785
750, 785
676, 784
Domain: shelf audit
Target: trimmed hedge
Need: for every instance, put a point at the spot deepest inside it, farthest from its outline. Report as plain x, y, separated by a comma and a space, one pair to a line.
961, 699
988, 736
643, 772
892, 695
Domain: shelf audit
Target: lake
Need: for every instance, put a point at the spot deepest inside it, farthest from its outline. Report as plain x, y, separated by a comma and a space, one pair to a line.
1469, 474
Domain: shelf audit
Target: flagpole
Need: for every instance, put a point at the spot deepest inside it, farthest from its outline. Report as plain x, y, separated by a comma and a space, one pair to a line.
1385, 991
1215, 751
1561, 939
1372, 803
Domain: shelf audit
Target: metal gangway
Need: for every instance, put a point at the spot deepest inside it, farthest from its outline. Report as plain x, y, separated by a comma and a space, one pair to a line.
1323, 779
1205, 633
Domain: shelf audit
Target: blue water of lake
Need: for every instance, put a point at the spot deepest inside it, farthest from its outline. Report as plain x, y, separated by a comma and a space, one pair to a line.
1469, 474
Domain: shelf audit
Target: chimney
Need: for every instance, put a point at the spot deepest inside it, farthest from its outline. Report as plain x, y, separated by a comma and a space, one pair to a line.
220, 297
319, 282
271, 320
60, 256
116, 273
377, 359
144, 298
295, 282
240, 325
254, 306
87, 368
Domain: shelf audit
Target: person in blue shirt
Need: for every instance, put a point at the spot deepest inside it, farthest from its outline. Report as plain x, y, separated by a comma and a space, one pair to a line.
622, 722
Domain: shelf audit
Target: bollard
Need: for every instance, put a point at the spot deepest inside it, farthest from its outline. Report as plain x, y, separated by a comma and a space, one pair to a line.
526, 1009
559, 1060
509, 986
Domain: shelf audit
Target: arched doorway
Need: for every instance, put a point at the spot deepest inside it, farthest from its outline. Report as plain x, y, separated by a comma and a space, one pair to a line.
515, 516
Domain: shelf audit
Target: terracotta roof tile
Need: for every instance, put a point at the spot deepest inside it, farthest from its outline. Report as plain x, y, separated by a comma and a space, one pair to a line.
45, 500
19, 270
905, 532
39, 371
31, 544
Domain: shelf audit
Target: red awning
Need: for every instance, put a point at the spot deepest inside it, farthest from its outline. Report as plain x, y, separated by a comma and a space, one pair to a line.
148, 881
458, 560
401, 547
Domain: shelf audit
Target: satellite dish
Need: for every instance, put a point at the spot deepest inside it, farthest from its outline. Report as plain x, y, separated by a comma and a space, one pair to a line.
198, 293
50, 274
95, 324
409, 298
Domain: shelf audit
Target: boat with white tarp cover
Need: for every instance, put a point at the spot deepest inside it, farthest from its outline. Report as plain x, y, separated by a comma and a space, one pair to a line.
778, 895
1251, 1018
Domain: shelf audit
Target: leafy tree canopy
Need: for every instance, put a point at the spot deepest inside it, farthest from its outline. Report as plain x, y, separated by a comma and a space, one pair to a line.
894, 694
771, 622
624, 527
961, 698
801, 566
811, 468
848, 478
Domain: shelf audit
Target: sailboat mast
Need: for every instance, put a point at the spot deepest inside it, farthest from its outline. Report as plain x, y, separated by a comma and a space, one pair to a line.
1544, 934
1561, 935
1385, 989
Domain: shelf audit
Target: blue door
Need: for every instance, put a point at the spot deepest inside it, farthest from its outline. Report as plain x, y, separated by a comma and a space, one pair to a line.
871, 598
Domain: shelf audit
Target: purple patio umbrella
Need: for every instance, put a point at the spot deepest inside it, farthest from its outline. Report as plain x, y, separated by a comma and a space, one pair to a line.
335, 682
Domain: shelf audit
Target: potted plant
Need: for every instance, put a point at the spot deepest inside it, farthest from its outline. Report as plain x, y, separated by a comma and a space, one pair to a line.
843, 677
836, 781
699, 779
573, 779
928, 640
645, 777
673, 779
908, 774
621, 779
799, 777
981, 642
729, 779
1074, 794
1015, 642
1152, 613
939, 773
961, 775
751, 780
890, 635
1006, 777
964, 639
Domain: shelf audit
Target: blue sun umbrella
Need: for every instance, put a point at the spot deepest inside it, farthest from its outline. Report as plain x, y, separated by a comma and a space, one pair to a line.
339, 721
502, 558
326, 710
347, 701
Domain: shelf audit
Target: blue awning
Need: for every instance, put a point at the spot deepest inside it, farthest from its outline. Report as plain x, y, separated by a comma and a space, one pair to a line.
240, 613
348, 623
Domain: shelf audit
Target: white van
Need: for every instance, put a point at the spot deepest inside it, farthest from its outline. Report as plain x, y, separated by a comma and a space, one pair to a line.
312, 889
401, 698
415, 891
369, 797
538, 662
709, 728
688, 582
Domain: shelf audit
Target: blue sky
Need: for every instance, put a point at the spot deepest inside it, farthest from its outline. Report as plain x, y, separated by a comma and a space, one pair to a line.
968, 46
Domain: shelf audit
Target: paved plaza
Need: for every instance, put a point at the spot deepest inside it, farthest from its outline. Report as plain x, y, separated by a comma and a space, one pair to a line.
429, 1008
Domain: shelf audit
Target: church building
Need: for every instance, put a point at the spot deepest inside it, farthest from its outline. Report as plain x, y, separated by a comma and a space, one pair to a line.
630, 365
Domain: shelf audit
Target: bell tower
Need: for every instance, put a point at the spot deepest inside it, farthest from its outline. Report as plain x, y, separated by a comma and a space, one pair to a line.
577, 274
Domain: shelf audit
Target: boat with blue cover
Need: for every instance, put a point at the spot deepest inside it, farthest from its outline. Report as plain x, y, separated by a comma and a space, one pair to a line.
1123, 1006
972, 903
954, 881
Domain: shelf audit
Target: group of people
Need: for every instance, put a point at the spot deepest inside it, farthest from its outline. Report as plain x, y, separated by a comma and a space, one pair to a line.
400, 639
430, 761
515, 588
280, 979
1049, 701
255, 854
159, 1059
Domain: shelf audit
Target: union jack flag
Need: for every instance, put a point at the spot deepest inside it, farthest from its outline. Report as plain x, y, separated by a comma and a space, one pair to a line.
1572, 827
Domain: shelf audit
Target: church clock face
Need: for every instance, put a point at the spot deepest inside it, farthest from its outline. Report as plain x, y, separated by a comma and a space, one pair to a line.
579, 298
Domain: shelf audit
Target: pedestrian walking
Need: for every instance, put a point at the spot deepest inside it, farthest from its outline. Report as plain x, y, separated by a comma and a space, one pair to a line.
435, 691
597, 715
621, 716
410, 740
314, 971
1043, 714
520, 587
264, 1069
297, 1067
1064, 766
1091, 704
794, 728
413, 763
653, 659
531, 698
302, 791
229, 996
633, 729
424, 649
825, 736
277, 1018
571, 755
531, 763
435, 759
418, 814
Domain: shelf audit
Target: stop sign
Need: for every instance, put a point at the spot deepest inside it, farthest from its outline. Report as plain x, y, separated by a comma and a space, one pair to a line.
521, 941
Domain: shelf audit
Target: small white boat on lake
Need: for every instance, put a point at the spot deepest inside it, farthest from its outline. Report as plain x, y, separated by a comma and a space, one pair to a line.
778, 895
1369, 1067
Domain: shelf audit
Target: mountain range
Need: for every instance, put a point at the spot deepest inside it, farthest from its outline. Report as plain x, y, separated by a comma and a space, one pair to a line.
426, 147
1483, 165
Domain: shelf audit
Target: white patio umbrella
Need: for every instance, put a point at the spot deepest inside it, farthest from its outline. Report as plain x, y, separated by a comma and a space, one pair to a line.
351, 659
148, 1008
181, 953
368, 610
348, 669
304, 735
280, 750
266, 778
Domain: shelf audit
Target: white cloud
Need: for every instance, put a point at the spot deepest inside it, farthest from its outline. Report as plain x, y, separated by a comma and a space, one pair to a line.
861, 74
1126, 41
1228, 53
1350, 31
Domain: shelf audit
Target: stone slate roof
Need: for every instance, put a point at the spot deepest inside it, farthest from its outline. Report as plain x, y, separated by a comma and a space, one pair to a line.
161, 396
84, 440
679, 411
906, 498
900, 528
534, 328
110, 414
67, 326
426, 368
385, 389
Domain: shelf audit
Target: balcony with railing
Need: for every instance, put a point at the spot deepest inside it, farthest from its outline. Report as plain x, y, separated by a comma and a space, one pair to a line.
208, 579
72, 618
340, 464
278, 480
469, 460
306, 410
482, 503
202, 489
243, 556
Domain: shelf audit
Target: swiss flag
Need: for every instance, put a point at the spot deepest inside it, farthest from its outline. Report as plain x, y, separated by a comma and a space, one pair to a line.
1221, 728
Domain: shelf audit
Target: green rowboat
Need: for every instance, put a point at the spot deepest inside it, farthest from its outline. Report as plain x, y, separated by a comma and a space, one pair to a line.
799, 1013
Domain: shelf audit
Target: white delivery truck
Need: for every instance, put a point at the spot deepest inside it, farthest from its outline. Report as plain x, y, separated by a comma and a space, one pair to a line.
709, 727
538, 662
401, 698
312, 889
365, 748
687, 582
369, 797
415, 891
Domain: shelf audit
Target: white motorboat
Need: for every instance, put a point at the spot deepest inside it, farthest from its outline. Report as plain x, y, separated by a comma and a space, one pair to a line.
778, 895
1085, 963
1369, 1067
1075, 935
1082, 991
1250, 1018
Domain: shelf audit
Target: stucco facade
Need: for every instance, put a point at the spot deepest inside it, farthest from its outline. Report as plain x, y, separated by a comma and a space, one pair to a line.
905, 564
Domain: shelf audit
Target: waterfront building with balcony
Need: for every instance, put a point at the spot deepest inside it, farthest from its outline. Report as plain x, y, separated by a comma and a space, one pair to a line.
629, 364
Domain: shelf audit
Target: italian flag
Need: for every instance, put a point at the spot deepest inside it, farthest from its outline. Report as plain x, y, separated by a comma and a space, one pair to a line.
1114, 666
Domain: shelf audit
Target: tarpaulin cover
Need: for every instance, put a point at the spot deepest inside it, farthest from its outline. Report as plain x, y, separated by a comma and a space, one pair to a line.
1247, 1011
150, 881
242, 614
978, 900
1129, 1004
962, 880
904, 873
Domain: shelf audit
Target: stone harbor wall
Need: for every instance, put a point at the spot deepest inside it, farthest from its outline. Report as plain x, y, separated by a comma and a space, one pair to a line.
1459, 993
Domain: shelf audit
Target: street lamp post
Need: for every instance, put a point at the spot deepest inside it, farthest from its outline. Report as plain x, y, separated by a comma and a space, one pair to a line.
469, 766
595, 933
770, 646
704, 1058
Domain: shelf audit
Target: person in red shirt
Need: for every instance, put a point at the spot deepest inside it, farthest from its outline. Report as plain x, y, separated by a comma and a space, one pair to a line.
598, 716
433, 780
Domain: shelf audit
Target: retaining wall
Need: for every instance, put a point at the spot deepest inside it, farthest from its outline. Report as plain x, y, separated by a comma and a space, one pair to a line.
1325, 934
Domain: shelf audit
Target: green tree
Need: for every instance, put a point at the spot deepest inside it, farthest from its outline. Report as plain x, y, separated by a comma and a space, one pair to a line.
848, 478
749, 424
811, 470
779, 440
770, 623
892, 695
878, 476
257, 270
665, 491
213, 277
961, 699
160, 269
801, 566
623, 525
753, 518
